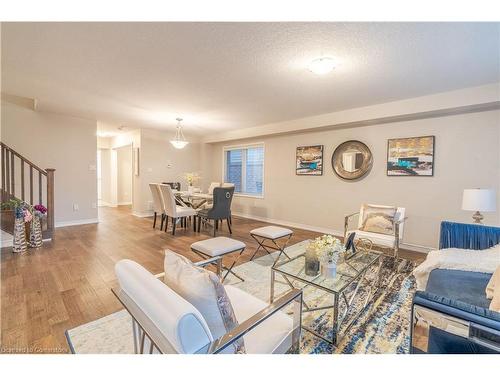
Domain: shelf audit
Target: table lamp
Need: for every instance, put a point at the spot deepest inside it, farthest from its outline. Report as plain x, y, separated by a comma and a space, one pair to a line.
479, 200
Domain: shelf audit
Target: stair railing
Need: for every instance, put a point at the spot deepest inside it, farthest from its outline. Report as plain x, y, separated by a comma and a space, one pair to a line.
23, 179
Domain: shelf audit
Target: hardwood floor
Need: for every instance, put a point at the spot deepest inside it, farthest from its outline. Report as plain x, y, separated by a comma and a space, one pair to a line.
67, 282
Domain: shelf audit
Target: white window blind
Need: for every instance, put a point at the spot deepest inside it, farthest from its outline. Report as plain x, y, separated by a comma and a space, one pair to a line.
244, 167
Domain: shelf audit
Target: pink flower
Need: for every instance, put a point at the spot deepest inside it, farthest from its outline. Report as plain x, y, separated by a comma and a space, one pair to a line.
40, 208
27, 216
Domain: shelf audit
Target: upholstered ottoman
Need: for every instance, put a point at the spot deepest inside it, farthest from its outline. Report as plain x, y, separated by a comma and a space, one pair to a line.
277, 238
220, 246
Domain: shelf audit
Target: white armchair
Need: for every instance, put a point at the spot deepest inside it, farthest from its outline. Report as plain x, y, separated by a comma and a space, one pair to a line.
381, 225
164, 322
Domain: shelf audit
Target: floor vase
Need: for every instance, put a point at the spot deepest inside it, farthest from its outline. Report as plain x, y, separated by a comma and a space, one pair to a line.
36, 232
19, 241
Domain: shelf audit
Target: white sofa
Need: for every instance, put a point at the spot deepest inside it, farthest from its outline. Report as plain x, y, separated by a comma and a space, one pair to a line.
164, 322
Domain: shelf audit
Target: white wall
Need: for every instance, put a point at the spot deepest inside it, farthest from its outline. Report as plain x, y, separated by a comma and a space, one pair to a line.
65, 143
105, 176
466, 155
159, 161
124, 174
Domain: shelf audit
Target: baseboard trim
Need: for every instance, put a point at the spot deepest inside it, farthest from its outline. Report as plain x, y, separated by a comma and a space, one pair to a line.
312, 228
61, 224
142, 214
106, 204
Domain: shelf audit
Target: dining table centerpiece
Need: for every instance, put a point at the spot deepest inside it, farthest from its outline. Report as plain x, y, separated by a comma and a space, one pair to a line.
191, 178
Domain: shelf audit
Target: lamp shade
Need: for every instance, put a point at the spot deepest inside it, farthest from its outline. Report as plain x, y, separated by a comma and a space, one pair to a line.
479, 200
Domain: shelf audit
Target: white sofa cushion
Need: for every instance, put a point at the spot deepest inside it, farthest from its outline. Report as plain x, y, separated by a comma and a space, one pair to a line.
377, 238
274, 335
272, 232
179, 324
203, 289
218, 246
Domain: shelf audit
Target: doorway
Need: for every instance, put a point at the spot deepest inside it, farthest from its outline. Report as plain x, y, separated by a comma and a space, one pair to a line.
115, 176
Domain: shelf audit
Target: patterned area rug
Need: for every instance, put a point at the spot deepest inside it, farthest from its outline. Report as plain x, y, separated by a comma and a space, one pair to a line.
383, 326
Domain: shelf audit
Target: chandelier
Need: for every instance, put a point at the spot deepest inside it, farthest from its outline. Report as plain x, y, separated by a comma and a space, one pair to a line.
179, 141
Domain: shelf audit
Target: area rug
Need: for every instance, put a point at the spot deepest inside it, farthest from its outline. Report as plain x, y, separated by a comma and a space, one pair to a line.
382, 327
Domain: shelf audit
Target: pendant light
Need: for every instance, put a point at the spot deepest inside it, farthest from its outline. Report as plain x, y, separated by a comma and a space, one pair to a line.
179, 141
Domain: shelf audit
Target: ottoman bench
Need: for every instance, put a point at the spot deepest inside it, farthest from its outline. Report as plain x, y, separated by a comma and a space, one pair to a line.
220, 246
277, 236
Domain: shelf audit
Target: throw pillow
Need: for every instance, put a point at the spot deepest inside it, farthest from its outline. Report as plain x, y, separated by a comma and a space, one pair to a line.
203, 289
493, 290
378, 219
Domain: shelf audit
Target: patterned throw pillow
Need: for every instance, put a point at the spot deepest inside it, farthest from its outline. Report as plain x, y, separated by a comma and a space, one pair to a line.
378, 219
203, 289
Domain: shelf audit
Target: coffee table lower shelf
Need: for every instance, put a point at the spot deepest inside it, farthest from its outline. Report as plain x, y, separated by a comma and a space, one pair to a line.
339, 325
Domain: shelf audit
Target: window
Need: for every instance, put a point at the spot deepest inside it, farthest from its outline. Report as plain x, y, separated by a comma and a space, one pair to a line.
244, 167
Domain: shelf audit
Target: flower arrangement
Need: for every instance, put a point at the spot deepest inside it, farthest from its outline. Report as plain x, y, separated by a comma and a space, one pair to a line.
22, 210
191, 177
40, 210
328, 248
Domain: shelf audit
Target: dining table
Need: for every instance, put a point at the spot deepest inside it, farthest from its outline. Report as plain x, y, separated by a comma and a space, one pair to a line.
192, 199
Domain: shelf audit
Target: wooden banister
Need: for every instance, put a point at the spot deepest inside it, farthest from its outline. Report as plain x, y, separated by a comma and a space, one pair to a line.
10, 189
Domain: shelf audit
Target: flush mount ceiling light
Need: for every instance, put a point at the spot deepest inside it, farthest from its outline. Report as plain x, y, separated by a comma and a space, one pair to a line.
179, 141
322, 65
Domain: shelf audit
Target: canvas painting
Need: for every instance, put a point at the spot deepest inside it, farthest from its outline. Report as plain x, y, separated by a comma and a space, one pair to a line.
309, 160
410, 156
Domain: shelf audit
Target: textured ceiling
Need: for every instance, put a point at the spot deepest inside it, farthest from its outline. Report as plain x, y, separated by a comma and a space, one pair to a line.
221, 76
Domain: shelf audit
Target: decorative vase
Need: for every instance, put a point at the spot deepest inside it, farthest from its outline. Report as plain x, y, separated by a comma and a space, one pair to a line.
19, 238
329, 270
312, 262
36, 232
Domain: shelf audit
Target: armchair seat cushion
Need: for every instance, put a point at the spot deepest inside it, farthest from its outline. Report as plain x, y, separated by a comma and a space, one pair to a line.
377, 238
182, 211
218, 246
464, 286
272, 232
274, 335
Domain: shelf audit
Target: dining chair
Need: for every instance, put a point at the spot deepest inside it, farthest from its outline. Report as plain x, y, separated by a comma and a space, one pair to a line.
221, 209
173, 185
157, 204
173, 210
212, 186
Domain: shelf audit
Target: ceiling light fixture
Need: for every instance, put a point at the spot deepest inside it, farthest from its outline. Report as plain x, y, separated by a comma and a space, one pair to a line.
322, 65
179, 141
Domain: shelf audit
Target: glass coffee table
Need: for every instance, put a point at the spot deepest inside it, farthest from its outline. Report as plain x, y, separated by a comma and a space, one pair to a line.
343, 288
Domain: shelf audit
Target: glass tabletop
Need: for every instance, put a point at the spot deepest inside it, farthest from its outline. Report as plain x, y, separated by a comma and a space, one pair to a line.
348, 269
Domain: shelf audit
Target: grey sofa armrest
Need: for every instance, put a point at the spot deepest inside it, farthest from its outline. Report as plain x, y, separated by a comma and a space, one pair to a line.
294, 296
462, 323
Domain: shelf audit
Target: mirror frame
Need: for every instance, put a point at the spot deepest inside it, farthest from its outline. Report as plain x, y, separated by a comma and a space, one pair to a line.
337, 160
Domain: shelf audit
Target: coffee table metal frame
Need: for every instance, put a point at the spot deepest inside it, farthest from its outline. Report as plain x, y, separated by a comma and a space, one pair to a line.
338, 331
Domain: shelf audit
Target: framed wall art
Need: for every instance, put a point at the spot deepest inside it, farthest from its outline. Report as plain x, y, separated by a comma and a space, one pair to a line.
410, 156
309, 160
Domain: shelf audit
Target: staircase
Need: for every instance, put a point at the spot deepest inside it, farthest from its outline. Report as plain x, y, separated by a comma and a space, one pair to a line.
24, 180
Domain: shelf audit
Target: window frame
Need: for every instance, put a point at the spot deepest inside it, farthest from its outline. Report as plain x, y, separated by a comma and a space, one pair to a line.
243, 172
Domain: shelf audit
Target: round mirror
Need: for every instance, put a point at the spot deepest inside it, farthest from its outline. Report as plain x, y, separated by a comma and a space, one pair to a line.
352, 160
